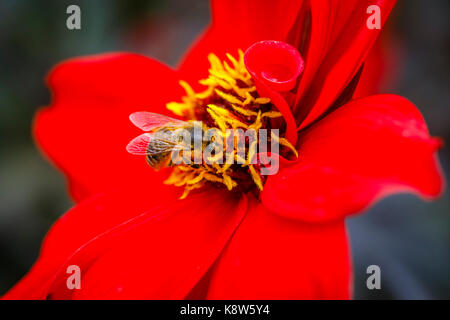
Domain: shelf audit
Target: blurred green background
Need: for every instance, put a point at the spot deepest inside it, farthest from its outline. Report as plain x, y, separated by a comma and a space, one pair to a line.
409, 239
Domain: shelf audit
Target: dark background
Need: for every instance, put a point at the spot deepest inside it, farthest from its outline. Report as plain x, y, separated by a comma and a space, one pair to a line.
408, 238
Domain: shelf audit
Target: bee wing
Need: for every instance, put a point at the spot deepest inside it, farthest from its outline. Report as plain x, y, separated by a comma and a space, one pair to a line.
147, 121
150, 143
139, 145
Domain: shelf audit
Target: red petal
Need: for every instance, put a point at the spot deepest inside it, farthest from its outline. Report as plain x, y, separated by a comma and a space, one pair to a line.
165, 258
270, 257
382, 67
325, 15
323, 82
79, 226
367, 149
87, 128
150, 253
236, 24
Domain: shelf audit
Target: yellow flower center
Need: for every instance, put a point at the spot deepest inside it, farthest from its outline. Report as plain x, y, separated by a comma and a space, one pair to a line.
230, 101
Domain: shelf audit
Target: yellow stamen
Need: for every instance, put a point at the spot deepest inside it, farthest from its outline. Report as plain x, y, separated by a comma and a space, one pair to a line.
228, 97
212, 178
223, 75
237, 124
252, 152
233, 61
245, 112
285, 142
229, 182
256, 177
190, 188
272, 114
231, 100
219, 110
189, 91
249, 99
197, 178
217, 119
205, 94
262, 100
215, 62
257, 124
178, 108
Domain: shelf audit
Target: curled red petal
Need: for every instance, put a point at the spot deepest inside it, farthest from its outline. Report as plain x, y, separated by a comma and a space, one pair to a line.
276, 63
275, 67
361, 152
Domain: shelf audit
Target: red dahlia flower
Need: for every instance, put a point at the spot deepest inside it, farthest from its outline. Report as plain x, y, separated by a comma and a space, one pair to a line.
237, 234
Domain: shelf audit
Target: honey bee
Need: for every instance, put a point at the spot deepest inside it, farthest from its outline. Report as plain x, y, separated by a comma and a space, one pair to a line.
161, 138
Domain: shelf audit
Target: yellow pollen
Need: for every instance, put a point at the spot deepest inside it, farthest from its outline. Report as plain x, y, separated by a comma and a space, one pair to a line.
205, 94
272, 114
252, 152
189, 91
177, 108
218, 119
229, 101
219, 110
256, 177
286, 143
228, 97
244, 111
